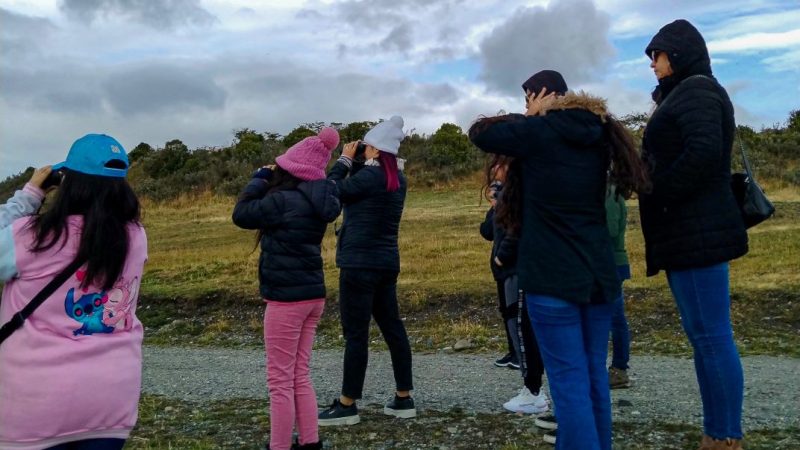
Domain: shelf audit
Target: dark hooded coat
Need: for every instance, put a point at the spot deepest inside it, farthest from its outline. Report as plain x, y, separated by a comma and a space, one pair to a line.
564, 247
690, 219
293, 222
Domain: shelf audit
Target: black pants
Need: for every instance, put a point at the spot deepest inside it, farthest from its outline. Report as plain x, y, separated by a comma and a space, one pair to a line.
92, 444
504, 313
532, 365
366, 293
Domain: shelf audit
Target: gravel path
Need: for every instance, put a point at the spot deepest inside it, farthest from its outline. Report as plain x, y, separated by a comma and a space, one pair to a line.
664, 387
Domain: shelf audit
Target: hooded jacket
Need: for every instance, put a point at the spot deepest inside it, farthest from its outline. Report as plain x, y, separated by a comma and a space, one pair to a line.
690, 219
564, 249
293, 223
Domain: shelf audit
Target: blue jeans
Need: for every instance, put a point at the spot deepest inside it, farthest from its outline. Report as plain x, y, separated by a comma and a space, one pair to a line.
703, 299
573, 340
620, 335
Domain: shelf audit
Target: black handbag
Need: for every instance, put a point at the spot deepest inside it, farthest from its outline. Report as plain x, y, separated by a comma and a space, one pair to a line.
753, 204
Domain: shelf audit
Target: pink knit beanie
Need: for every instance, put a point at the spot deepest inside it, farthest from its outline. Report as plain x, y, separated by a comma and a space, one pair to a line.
307, 159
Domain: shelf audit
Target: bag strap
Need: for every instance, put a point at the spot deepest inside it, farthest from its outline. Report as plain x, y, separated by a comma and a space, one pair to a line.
19, 318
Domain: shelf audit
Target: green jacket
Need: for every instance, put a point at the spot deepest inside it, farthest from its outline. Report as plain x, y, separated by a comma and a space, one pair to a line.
617, 219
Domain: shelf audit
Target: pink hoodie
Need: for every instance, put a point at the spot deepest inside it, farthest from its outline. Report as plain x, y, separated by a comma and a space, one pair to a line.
73, 371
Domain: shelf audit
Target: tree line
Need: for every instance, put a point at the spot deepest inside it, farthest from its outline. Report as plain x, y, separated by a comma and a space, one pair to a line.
173, 169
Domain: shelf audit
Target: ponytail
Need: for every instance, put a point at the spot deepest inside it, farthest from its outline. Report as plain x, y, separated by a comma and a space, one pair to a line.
389, 165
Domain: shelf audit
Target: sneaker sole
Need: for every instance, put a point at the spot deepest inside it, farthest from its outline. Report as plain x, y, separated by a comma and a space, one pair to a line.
513, 366
527, 409
549, 439
400, 413
620, 385
496, 364
339, 421
545, 425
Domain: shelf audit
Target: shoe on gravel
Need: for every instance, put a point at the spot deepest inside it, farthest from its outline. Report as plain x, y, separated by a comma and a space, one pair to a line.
402, 407
618, 378
547, 422
527, 403
338, 414
509, 360
549, 437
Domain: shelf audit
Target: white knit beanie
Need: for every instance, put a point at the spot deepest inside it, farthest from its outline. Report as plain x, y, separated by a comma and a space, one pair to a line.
386, 136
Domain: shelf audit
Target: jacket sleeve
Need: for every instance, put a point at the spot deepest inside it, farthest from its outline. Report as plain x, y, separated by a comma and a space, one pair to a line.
8, 258
257, 209
359, 185
487, 226
698, 115
24, 203
515, 137
508, 249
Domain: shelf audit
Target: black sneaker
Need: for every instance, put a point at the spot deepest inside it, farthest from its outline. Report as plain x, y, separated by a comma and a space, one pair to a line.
402, 407
338, 414
510, 360
315, 446
547, 422
550, 437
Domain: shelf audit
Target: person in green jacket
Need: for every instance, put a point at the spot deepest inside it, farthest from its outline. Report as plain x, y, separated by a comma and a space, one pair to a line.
617, 219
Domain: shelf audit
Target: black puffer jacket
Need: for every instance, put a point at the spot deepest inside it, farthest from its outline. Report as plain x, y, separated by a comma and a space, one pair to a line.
293, 223
368, 235
690, 219
564, 248
504, 247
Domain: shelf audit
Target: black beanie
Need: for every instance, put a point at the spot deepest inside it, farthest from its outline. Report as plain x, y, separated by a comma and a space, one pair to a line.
549, 79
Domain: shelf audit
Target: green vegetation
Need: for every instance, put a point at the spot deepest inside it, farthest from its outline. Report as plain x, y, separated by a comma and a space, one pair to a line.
244, 424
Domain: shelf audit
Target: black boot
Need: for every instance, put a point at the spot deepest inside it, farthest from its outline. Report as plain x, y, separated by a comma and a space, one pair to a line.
314, 446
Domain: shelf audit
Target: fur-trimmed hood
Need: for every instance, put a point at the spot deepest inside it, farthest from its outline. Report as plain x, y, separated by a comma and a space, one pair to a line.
578, 117
580, 100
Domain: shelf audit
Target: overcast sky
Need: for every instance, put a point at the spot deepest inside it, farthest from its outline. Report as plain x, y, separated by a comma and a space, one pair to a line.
195, 70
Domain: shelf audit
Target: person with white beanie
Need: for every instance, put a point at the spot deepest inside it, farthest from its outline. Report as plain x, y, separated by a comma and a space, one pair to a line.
372, 193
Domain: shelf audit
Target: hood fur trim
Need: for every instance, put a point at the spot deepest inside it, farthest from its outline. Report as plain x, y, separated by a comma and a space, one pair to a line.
580, 100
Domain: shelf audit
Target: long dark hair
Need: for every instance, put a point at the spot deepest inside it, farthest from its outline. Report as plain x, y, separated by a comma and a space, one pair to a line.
490, 170
281, 180
107, 205
628, 172
508, 211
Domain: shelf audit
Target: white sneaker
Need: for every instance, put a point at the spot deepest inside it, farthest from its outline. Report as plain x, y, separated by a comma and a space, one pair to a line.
527, 403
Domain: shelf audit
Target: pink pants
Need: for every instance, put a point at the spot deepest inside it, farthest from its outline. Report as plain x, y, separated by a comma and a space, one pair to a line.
289, 329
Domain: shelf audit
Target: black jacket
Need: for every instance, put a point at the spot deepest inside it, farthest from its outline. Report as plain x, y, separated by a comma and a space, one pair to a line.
690, 219
293, 223
504, 247
367, 238
564, 249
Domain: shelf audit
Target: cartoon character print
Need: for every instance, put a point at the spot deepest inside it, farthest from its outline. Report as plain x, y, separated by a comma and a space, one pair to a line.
88, 310
102, 312
118, 312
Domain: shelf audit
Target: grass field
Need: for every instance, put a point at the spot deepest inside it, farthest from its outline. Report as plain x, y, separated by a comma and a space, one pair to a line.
200, 284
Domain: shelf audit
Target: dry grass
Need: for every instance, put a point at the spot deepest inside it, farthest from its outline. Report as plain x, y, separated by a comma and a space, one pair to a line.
202, 270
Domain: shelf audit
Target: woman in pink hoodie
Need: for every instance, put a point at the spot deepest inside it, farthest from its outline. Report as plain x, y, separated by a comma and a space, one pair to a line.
71, 375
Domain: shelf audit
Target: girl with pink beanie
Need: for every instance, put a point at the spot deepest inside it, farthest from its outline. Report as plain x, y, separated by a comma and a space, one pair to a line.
290, 204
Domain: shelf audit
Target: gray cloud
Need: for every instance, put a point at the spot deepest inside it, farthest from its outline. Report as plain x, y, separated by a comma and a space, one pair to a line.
568, 36
155, 88
399, 39
161, 14
20, 35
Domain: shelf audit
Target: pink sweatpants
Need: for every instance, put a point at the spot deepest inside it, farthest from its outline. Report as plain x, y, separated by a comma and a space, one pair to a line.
289, 329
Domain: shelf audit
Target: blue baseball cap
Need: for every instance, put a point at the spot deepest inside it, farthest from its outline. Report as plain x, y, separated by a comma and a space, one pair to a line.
97, 154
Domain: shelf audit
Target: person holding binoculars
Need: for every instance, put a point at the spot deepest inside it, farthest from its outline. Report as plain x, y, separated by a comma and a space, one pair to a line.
70, 372
290, 204
373, 193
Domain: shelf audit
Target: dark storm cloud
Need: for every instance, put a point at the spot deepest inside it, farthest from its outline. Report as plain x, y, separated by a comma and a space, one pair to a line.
159, 88
568, 36
160, 14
